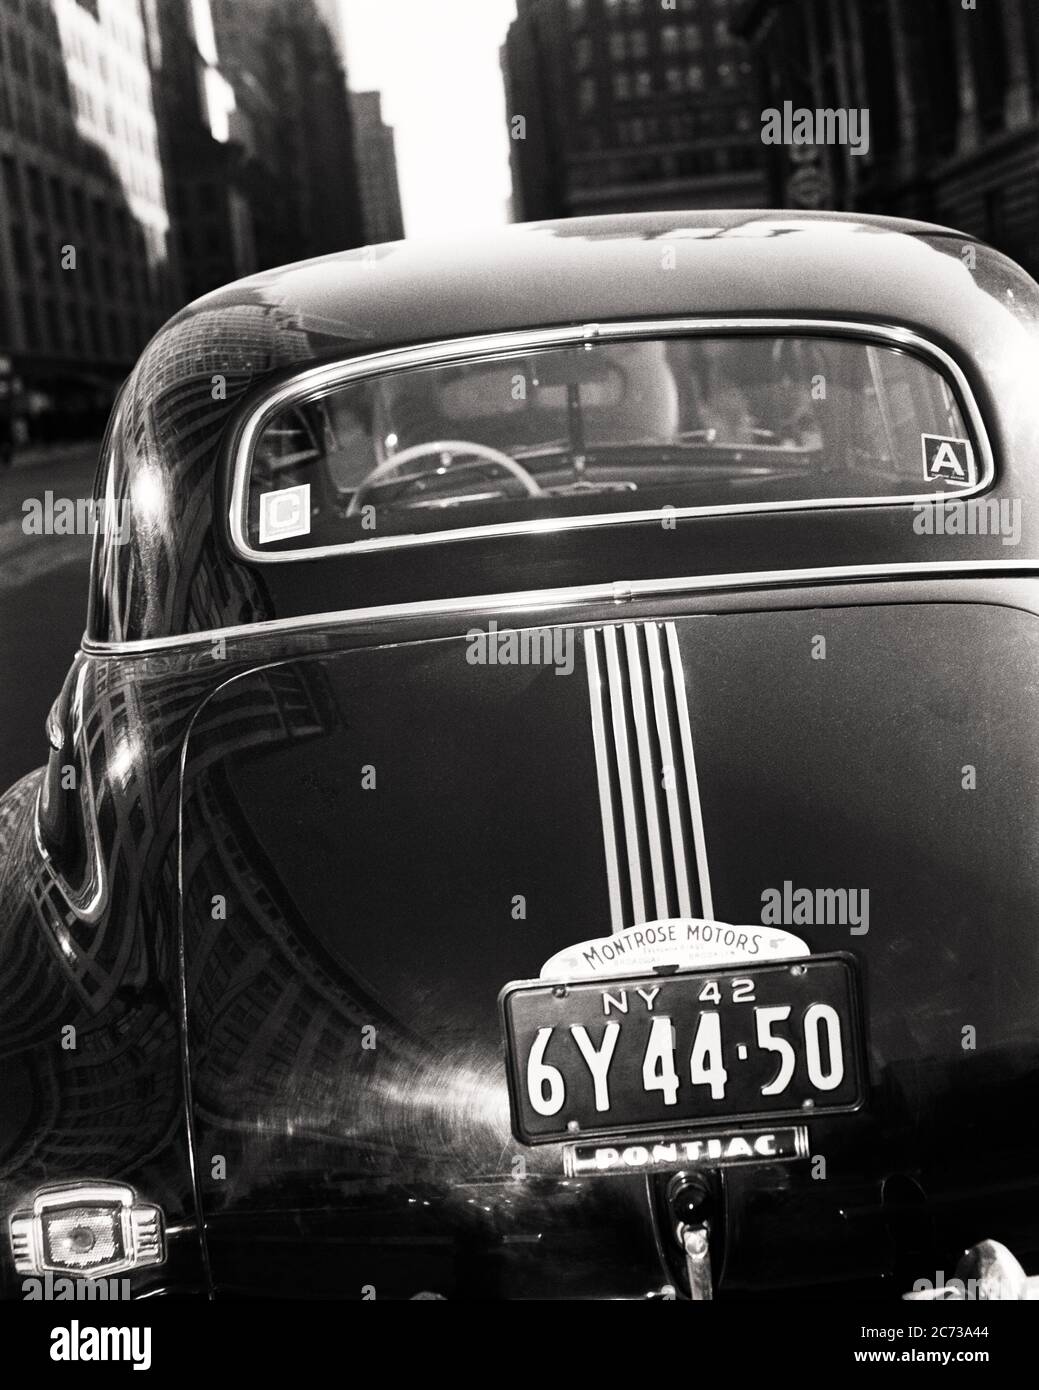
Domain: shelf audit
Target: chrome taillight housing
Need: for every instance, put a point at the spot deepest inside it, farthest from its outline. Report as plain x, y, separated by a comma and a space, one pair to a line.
87, 1229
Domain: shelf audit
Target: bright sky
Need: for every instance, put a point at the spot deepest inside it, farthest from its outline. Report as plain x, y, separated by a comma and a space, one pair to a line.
436, 64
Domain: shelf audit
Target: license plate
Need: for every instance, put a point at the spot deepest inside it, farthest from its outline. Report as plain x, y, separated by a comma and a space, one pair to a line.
653, 1053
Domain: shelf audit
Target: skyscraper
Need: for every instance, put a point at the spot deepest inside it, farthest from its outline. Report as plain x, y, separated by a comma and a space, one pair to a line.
630, 105
952, 94
212, 230
85, 270
292, 119
377, 169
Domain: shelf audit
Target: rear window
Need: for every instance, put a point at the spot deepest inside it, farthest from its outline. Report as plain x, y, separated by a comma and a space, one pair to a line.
605, 429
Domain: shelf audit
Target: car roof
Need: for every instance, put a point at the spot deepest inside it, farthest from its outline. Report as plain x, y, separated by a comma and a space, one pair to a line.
637, 265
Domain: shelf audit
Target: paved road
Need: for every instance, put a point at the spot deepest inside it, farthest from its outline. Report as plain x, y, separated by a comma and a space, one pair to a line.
43, 597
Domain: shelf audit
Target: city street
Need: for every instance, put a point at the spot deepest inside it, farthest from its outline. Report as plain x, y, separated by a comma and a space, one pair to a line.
43, 599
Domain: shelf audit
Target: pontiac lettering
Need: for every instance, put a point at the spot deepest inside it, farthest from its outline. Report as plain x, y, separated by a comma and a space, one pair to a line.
715, 1150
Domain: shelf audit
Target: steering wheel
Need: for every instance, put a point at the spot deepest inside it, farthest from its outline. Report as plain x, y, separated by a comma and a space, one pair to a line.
448, 449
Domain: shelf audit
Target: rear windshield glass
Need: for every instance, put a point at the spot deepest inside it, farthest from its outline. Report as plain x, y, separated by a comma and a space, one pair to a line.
594, 429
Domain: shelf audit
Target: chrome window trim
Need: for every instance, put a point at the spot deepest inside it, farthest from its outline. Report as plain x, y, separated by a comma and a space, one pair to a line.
316, 380
543, 600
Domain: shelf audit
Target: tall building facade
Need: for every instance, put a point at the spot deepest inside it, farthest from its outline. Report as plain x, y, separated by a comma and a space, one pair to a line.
630, 105
293, 123
377, 169
953, 100
85, 268
194, 103
151, 150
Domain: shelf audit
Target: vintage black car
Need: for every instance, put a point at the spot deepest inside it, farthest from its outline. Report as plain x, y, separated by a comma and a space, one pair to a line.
546, 803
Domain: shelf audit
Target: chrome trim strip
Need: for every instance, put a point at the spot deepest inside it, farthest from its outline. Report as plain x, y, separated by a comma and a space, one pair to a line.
602, 769
90, 901
542, 600
692, 784
316, 380
627, 786
667, 758
636, 679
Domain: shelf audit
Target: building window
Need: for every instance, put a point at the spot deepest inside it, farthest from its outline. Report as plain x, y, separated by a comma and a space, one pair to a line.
20, 246
643, 83
24, 118
694, 77
622, 85
12, 187
57, 199
638, 43
995, 215
41, 247
41, 70
19, 58
673, 79
32, 337
49, 321
669, 38
582, 52
36, 201
727, 74
618, 46
634, 8
586, 94
75, 338
692, 37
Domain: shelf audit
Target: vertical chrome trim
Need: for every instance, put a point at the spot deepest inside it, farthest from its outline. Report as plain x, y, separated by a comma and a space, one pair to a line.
602, 768
667, 759
636, 679
627, 786
692, 784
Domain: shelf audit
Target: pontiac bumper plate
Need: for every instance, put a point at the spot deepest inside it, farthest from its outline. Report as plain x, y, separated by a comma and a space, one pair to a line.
649, 1054
720, 1148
